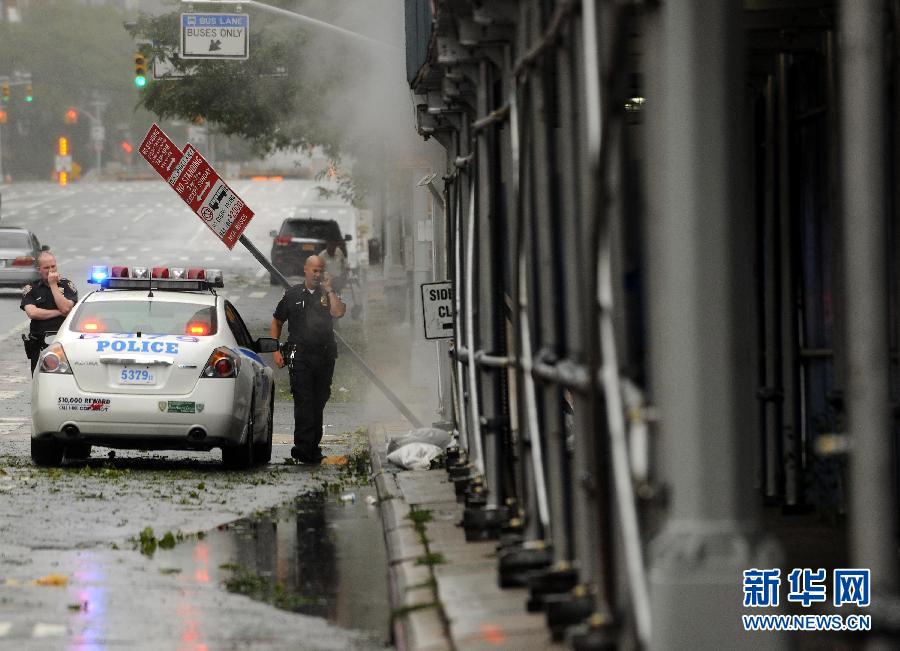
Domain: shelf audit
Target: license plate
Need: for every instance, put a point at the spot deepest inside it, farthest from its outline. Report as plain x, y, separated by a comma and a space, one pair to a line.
136, 375
309, 247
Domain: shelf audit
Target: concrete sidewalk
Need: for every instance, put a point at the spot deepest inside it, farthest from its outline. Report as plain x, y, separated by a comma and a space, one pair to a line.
444, 590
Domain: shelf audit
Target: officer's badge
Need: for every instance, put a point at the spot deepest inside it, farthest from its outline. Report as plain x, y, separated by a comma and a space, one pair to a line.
26, 289
71, 286
324, 300
162, 405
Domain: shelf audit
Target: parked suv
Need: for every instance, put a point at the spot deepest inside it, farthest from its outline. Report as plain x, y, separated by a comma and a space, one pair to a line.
299, 238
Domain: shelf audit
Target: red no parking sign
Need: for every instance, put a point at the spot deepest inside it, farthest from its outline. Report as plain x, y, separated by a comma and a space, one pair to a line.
196, 182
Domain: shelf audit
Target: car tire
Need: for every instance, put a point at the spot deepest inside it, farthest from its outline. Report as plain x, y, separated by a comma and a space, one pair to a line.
262, 452
46, 452
240, 457
79, 451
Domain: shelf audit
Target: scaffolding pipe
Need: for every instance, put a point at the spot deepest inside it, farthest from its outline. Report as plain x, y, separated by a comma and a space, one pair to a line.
863, 125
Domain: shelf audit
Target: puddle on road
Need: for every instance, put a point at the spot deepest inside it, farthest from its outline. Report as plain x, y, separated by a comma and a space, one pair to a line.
318, 555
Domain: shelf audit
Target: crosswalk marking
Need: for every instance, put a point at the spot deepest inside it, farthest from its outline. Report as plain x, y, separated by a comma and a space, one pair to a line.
256, 294
5, 628
9, 395
48, 630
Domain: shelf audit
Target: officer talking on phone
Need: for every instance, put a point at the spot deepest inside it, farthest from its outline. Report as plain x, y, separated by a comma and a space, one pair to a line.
309, 310
46, 303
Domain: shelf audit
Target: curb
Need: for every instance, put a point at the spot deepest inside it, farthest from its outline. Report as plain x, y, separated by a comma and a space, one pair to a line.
418, 621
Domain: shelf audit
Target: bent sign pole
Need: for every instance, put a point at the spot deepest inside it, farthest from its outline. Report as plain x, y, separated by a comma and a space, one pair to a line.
226, 215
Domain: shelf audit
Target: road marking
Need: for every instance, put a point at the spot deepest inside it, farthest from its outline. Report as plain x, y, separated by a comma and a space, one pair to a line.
235, 299
257, 294
5, 628
14, 331
261, 272
9, 395
48, 630
97, 248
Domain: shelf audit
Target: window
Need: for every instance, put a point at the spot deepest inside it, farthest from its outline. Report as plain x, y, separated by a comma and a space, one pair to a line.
15, 240
150, 317
312, 229
238, 329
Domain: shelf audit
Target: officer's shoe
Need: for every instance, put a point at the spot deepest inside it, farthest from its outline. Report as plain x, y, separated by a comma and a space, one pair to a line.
305, 458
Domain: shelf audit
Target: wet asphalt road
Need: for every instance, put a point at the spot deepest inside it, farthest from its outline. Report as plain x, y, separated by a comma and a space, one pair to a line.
80, 525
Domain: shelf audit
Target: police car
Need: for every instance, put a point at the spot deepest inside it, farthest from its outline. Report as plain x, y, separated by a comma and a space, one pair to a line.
153, 359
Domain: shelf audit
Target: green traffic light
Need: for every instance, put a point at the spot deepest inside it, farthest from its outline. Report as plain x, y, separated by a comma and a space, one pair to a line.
140, 81
29, 98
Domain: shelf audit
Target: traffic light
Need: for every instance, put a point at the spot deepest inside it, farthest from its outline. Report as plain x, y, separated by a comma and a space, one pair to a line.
4, 92
71, 116
29, 94
140, 70
3, 116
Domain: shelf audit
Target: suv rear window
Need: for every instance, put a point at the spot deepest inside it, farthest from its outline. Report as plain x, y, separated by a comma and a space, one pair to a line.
312, 229
150, 317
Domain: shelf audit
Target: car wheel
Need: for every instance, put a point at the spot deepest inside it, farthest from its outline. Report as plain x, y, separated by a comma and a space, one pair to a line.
78, 451
46, 452
239, 457
262, 452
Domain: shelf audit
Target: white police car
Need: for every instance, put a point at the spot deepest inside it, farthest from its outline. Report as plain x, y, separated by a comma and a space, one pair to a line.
154, 359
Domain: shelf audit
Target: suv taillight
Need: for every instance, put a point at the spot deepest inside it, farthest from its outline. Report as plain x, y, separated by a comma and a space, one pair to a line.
23, 261
282, 240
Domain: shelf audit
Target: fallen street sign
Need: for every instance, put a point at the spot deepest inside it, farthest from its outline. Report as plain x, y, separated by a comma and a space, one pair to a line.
215, 36
437, 309
159, 150
198, 185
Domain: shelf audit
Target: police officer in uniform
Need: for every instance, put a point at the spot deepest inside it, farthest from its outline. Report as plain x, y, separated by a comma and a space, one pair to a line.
46, 303
309, 310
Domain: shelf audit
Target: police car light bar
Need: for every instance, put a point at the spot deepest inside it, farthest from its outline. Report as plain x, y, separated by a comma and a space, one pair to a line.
177, 278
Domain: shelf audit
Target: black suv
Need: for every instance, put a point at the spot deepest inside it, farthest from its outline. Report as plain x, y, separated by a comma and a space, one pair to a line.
299, 238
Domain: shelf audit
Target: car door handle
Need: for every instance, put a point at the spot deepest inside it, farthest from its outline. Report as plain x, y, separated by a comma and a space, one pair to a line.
154, 361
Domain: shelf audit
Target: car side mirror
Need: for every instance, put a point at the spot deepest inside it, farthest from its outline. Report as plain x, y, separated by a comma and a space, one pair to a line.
273, 233
348, 237
45, 247
265, 345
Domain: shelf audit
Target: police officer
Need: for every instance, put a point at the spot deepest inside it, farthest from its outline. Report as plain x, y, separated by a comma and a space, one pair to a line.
46, 303
310, 310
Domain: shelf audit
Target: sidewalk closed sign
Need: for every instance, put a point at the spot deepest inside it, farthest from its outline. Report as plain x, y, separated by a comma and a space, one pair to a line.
437, 309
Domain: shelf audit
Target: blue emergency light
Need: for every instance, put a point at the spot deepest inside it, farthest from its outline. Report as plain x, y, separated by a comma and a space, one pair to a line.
99, 273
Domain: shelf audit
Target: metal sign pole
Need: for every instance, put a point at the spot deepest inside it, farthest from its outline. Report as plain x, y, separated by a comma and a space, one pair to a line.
369, 373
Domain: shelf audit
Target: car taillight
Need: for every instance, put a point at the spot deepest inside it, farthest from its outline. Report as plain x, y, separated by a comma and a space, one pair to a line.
53, 360
222, 364
23, 261
282, 240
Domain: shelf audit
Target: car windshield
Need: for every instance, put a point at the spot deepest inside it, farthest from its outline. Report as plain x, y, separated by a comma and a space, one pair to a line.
317, 230
14, 240
151, 317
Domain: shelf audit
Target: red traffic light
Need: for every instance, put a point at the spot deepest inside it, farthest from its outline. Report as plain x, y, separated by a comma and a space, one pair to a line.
71, 116
3, 117
126, 147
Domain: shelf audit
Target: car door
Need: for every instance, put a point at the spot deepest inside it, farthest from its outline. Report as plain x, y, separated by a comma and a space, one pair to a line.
261, 379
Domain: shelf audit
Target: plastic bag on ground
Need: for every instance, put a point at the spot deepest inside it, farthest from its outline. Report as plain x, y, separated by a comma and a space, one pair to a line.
432, 435
414, 456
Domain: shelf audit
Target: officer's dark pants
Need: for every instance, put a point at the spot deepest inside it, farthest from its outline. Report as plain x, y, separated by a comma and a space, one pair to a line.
311, 387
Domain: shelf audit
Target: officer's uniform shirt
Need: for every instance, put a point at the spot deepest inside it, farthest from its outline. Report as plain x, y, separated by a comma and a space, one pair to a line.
41, 296
308, 315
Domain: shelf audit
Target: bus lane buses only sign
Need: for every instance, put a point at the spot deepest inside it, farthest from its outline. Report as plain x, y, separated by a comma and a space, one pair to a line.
215, 36
198, 185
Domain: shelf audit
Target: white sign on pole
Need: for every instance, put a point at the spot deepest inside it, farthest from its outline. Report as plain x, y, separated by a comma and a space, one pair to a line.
437, 309
215, 36
63, 163
98, 132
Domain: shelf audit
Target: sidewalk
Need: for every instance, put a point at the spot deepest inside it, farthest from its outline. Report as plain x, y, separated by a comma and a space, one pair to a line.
444, 590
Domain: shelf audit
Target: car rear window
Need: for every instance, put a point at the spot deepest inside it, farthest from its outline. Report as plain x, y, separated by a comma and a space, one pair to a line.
317, 230
150, 317
14, 241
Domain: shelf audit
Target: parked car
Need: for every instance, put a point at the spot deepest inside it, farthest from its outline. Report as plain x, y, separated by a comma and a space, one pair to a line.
297, 239
19, 250
172, 368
